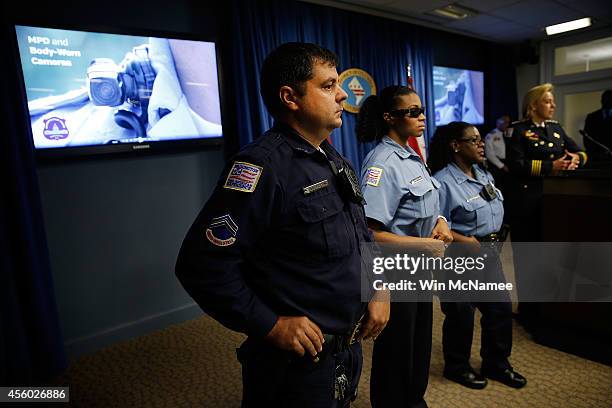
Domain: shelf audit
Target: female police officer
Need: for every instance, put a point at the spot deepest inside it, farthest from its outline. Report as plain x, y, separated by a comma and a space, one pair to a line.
402, 208
539, 147
473, 205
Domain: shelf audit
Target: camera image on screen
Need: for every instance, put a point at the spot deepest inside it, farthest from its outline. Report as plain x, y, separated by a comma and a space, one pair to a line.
458, 95
110, 84
131, 82
107, 88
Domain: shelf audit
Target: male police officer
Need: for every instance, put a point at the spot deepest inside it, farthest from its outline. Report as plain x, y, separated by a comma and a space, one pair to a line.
275, 252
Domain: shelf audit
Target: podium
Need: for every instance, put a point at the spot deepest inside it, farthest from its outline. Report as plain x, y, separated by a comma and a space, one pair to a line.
577, 207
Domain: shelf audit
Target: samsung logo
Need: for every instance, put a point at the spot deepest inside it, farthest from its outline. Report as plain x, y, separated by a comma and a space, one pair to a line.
138, 147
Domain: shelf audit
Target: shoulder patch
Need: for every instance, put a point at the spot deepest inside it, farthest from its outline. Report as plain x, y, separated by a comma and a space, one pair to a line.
222, 231
243, 176
373, 176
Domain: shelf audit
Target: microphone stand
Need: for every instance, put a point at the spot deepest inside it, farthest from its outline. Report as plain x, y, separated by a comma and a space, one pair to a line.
601, 146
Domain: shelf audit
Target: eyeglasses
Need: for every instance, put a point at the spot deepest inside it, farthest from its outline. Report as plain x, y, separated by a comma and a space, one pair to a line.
473, 140
410, 112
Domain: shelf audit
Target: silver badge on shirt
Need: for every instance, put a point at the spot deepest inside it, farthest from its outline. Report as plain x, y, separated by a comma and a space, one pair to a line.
315, 187
416, 180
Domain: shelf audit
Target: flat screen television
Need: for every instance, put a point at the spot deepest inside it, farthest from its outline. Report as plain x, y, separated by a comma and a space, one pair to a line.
459, 95
102, 92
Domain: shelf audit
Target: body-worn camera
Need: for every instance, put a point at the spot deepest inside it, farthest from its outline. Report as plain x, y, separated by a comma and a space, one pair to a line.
112, 84
348, 183
488, 192
128, 85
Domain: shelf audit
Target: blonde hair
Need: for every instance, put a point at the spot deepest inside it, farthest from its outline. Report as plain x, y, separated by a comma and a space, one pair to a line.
533, 95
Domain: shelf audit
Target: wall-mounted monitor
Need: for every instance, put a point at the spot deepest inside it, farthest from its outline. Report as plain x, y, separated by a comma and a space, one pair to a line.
459, 95
101, 92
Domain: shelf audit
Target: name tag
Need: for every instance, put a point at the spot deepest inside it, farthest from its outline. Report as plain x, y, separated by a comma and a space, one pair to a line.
315, 187
416, 180
476, 197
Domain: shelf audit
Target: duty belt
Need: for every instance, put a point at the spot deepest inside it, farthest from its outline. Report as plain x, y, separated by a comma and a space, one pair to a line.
499, 236
494, 237
337, 343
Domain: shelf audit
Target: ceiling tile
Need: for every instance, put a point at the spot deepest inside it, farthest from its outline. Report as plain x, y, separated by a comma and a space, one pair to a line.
485, 6
537, 14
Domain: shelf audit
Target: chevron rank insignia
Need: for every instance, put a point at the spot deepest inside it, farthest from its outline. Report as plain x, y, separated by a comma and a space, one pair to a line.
222, 231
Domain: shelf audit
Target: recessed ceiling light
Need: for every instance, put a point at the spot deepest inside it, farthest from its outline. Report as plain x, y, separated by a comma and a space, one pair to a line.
454, 11
569, 26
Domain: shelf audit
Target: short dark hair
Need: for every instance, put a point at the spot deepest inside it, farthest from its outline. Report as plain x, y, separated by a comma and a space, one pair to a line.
291, 64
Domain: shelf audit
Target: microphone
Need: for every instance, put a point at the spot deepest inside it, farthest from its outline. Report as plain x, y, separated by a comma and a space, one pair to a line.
601, 146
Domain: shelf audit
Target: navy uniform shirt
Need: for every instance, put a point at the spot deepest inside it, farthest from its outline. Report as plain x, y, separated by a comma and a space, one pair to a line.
466, 210
533, 148
399, 191
529, 156
277, 238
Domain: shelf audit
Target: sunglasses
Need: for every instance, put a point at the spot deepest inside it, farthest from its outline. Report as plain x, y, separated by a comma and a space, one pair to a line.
410, 112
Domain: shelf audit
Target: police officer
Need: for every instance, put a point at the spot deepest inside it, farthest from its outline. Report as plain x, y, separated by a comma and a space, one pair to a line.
402, 208
495, 150
538, 147
474, 207
275, 251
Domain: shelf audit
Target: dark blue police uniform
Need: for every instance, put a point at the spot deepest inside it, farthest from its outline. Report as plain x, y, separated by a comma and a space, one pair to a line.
470, 214
529, 156
280, 237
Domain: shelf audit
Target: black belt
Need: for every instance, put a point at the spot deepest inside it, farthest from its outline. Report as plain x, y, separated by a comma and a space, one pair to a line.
499, 236
337, 343
494, 237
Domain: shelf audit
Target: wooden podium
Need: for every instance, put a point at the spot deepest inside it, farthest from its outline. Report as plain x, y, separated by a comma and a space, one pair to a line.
577, 207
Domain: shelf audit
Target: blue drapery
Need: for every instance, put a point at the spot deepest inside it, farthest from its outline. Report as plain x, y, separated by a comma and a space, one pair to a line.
31, 346
381, 47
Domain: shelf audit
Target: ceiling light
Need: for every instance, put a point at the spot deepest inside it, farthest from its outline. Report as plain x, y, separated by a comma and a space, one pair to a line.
569, 26
454, 11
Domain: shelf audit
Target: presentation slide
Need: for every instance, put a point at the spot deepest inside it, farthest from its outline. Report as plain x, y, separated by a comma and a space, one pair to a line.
459, 95
88, 89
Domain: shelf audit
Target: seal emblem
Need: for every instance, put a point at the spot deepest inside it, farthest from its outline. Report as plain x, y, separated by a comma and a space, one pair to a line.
358, 84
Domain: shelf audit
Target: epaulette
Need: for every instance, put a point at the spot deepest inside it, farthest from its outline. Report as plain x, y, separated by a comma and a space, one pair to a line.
262, 147
517, 122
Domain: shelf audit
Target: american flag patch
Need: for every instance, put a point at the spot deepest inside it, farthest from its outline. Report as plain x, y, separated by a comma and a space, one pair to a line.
243, 177
373, 176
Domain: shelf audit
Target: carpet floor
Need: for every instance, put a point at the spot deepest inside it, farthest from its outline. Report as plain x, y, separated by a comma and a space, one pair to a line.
193, 364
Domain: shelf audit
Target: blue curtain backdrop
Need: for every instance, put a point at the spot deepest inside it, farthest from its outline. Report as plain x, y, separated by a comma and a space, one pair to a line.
31, 346
381, 47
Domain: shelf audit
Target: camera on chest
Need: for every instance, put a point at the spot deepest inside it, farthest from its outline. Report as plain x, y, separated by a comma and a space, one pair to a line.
348, 183
488, 192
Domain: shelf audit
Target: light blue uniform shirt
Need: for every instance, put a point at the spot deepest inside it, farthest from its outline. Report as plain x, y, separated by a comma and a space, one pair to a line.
466, 210
399, 191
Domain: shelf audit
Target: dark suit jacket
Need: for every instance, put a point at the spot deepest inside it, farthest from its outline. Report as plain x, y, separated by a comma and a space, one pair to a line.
600, 130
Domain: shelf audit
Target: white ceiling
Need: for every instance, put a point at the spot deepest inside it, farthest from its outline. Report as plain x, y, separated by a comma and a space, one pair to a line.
504, 21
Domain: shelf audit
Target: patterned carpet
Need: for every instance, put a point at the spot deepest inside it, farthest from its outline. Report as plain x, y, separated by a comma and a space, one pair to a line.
193, 364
